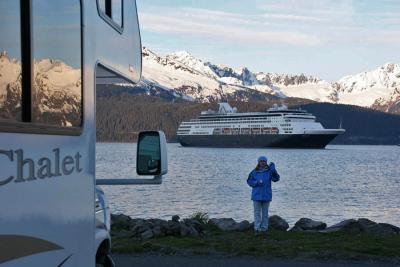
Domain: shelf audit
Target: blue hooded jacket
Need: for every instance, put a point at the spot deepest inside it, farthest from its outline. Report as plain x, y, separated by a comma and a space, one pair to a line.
262, 191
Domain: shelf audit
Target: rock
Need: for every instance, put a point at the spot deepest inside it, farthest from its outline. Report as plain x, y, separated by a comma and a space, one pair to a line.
120, 219
383, 229
122, 233
350, 225
175, 218
193, 232
156, 222
143, 228
164, 227
363, 226
185, 230
173, 228
189, 231
195, 223
252, 225
134, 223
147, 235
229, 224
194, 227
278, 223
306, 224
157, 231
224, 224
135, 229
138, 226
243, 226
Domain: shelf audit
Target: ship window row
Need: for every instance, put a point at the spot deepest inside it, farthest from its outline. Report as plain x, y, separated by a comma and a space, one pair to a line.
240, 119
229, 125
238, 126
224, 121
301, 120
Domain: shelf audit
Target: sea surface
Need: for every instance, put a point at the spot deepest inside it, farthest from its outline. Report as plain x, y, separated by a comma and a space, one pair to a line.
332, 184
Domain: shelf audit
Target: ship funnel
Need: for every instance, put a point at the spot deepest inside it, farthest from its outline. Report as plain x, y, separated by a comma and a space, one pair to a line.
225, 108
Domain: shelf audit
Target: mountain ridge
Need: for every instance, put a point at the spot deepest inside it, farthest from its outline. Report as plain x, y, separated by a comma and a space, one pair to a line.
203, 81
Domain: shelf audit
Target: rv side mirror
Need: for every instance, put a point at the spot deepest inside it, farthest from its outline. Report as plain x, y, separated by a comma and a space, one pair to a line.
151, 156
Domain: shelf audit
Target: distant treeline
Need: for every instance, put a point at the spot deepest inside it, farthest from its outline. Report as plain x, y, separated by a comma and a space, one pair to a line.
363, 125
120, 117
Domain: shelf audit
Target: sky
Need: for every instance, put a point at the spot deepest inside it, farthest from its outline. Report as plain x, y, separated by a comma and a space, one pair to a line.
56, 30
324, 38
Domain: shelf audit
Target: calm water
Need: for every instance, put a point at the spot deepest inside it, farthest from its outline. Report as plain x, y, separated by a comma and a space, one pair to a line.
337, 183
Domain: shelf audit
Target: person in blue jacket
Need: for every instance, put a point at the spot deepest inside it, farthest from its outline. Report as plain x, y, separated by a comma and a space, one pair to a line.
260, 181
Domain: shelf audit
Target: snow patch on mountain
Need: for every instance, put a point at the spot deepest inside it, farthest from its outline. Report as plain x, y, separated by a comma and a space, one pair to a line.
57, 76
364, 89
187, 59
10, 70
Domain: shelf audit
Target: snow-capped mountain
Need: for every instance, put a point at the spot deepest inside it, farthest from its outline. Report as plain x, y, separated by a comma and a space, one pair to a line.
202, 81
191, 78
207, 81
56, 92
10, 87
391, 104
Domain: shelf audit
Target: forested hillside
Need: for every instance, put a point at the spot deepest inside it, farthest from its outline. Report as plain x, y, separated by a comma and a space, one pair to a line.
121, 116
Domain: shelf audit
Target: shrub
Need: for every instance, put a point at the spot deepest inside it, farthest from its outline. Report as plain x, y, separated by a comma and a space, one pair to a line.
201, 217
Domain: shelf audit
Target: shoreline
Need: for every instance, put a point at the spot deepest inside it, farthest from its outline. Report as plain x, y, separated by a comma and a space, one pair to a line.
358, 240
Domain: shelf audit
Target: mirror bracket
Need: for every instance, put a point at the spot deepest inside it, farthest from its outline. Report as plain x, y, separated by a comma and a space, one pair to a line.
130, 181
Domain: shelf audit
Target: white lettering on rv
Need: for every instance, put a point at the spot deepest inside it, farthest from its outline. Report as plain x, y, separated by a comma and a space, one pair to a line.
46, 167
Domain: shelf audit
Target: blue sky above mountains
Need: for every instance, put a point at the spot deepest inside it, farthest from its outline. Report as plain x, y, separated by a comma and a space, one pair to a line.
324, 38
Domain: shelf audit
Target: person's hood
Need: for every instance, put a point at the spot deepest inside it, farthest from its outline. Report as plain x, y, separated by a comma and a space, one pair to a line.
264, 158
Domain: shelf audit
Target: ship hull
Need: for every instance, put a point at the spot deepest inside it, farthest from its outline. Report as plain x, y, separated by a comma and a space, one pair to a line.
258, 141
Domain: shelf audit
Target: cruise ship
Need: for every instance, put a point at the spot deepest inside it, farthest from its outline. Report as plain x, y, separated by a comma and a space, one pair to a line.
277, 127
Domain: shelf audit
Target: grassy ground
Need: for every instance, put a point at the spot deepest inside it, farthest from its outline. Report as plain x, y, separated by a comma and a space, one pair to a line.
277, 244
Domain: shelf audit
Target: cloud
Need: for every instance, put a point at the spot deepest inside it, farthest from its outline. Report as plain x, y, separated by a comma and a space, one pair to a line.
299, 23
222, 25
292, 17
309, 11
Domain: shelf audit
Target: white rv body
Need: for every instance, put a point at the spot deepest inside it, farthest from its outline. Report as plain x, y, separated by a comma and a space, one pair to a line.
48, 219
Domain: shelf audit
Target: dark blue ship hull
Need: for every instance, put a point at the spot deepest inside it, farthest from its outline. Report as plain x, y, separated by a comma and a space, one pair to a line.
258, 141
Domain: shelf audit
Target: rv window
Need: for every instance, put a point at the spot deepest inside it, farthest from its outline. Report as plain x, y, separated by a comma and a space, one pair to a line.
111, 11
57, 75
117, 11
10, 61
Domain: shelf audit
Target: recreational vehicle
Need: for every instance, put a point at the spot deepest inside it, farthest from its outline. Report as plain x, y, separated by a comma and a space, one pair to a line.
52, 55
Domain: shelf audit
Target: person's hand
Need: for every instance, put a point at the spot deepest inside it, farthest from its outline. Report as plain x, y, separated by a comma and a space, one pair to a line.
272, 166
260, 182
